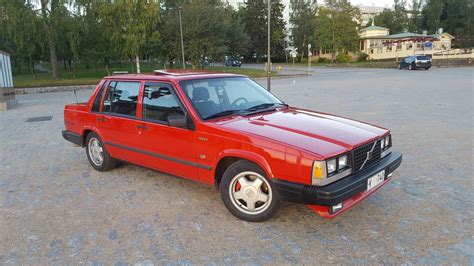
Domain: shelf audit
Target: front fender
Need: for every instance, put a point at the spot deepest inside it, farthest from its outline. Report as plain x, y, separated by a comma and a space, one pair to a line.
247, 155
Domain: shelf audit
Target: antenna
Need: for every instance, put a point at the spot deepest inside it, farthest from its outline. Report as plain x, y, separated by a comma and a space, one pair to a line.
75, 94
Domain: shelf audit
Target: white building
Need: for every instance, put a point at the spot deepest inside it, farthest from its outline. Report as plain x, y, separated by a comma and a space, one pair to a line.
369, 12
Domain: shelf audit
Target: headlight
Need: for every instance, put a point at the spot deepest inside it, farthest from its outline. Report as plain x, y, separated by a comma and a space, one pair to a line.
385, 144
330, 170
331, 166
342, 162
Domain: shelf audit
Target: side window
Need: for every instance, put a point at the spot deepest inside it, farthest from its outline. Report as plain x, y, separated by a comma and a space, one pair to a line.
122, 98
98, 98
159, 102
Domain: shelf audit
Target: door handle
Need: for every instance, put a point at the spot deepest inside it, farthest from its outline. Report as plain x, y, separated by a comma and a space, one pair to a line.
101, 119
142, 127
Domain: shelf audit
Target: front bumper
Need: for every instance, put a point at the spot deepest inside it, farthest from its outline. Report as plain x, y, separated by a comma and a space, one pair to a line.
351, 189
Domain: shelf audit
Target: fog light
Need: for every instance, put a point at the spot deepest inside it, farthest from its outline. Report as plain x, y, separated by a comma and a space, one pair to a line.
336, 208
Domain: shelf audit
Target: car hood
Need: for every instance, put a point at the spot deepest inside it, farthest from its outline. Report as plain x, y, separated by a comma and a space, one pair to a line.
322, 134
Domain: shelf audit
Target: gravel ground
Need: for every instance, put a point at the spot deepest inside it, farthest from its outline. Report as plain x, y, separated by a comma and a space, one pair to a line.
55, 209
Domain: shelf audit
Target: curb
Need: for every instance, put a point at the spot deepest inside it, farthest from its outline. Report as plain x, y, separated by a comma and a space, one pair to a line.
52, 89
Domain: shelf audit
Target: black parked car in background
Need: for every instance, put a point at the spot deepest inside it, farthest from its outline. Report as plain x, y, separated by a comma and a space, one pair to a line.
415, 62
232, 62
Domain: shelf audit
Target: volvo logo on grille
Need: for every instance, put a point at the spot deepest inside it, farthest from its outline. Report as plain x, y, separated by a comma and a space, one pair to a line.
369, 155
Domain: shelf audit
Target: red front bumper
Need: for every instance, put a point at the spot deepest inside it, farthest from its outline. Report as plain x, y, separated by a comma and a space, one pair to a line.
325, 212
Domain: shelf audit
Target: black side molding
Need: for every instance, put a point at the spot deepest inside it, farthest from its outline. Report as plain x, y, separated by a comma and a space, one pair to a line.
73, 137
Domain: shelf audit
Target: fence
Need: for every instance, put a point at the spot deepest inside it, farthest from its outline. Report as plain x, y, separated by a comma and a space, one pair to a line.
7, 94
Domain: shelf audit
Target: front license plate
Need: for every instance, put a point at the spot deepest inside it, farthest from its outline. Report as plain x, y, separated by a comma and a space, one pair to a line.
375, 180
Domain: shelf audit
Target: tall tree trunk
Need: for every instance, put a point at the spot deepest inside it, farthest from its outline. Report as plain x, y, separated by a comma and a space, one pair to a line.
54, 57
32, 68
138, 63
106, 60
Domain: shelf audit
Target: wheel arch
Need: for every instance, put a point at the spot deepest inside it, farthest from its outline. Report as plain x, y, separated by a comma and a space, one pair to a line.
86, 131
228, 157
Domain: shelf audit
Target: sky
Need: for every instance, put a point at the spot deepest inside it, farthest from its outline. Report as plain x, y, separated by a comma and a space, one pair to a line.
382, 3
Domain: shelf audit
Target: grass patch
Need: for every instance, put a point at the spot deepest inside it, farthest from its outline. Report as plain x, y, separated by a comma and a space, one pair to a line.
90, 76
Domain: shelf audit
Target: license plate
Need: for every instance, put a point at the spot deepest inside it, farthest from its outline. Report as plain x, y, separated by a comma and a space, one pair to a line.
375, 180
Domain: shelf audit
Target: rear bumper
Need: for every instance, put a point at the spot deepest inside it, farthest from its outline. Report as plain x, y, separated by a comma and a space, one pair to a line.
349, 189
73, 137
423, 65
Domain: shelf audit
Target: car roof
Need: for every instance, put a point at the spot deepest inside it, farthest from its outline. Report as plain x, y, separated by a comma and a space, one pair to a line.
176, 75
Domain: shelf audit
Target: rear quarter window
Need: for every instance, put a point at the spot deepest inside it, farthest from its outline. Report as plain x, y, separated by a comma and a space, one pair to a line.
98, 98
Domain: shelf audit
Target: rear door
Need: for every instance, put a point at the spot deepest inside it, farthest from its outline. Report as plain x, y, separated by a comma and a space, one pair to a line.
170, 149
117, 122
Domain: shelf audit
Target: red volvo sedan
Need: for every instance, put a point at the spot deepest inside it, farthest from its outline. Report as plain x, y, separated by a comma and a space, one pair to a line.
228, 131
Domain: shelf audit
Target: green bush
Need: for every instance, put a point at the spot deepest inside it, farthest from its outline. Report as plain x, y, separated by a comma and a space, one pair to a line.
343, 58
323, 60
362, 57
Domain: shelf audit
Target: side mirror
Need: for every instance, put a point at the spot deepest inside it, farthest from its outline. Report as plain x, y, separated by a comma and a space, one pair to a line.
177, 120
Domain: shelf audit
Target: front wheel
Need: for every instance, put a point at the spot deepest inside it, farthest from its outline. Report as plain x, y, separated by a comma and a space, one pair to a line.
248, 193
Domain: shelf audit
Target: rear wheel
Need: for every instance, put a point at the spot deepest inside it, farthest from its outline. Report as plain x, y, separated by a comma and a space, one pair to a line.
426, 68
248, 193
411, 67
97, 155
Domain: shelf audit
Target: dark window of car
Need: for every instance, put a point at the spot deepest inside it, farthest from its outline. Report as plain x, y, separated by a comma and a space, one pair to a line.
122, 98
423, 58
159, 102
98, 98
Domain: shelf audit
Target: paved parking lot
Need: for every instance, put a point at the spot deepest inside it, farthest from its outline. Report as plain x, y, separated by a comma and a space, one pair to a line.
55, 209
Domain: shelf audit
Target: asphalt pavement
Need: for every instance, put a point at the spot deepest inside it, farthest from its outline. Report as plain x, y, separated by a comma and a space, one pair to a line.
56, 209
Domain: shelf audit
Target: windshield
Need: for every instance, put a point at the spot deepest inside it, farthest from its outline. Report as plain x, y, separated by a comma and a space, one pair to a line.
216, 97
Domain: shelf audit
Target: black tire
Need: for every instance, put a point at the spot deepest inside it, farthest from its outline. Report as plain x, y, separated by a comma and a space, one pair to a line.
107, 163
427, 68
229, 178
411, 67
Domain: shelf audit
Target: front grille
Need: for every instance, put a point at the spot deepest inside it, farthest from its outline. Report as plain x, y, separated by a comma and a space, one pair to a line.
359, 156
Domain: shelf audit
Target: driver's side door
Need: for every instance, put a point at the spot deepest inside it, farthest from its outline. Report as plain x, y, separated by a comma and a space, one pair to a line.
166, 148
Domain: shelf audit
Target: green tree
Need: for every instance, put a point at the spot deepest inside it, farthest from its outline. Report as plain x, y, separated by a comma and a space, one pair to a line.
256, 27
414, 22
132, 26
303, 21
455, 16
396, 19
256, 12
336, 29
21, 32
204, 30
53, 14
278, 31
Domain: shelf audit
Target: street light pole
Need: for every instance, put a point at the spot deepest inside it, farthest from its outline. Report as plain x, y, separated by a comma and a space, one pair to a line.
182, 42
268, 46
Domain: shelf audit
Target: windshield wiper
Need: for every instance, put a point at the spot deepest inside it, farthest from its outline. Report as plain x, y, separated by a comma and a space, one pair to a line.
264, 106
223, 113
